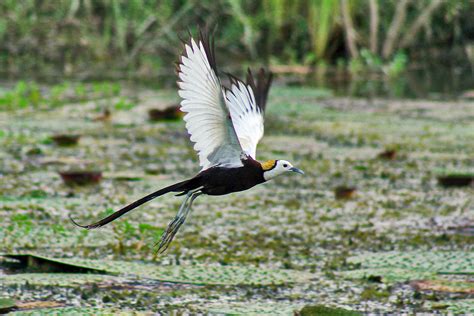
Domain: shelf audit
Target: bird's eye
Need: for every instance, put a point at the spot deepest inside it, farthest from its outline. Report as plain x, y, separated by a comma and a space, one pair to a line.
285, 165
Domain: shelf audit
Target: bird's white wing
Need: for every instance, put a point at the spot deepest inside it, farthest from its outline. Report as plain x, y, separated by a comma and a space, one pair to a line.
208, 119
246, 102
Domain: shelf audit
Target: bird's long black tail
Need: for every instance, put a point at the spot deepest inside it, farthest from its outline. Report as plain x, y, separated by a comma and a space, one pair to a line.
177, 187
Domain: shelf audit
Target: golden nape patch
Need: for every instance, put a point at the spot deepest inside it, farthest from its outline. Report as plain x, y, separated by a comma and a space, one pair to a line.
269, 164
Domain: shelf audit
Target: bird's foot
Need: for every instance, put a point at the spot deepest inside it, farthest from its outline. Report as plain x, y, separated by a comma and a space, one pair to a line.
169, 234
176, 223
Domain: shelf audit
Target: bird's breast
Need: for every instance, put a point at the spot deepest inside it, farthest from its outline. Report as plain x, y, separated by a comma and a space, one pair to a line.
220, 181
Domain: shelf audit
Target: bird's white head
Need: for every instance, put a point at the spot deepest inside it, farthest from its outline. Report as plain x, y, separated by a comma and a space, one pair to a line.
273, 168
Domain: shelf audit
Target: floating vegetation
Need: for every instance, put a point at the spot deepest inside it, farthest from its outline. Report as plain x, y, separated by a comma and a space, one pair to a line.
81, 177
344, 192
196, 274
7, 305
388, 154
104, 117
170, 112
363, 255
456, 180
456, 307
65, 139
440, 272
326, 310
442, 262
79, 311
448, 286
252, 308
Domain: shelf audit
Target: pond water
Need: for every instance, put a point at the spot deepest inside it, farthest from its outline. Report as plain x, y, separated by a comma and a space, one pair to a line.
424, 82
400, 244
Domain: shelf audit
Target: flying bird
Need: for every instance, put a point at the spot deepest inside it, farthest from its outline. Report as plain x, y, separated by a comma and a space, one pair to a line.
225, 124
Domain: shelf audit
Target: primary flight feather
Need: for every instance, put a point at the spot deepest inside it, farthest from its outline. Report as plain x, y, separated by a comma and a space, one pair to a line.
225, 125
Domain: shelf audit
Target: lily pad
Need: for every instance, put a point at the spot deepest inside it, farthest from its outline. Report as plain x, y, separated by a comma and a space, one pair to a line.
444, 286
124, 176
43, 264
455, 178
171, 112
6, 305
387, 275
344, 192
388, 154
65, 139
78, 311
457, 307
38, 305
441, 262
57, 279
81, 177
194, 274
252, 308
325, 310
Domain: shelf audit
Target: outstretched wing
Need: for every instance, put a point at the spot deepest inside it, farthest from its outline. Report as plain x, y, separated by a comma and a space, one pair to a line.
208, 119
246, 102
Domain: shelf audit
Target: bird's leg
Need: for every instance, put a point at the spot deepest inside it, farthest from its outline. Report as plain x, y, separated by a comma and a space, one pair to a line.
176, 223
172, 228
188, 208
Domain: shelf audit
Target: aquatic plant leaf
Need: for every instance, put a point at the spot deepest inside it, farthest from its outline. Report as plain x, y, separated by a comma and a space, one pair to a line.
325, 310
444, 286
78, 311
442, 262
387, 275
58, 279
195, 274
36, 263
457, 307
125, 176
251, 308
38, 305
7, 305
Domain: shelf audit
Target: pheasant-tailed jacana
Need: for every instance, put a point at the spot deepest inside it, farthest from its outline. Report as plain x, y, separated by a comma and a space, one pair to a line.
225, 124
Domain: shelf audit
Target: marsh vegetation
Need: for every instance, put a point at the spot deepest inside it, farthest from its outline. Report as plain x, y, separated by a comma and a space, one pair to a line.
401, 243
376, 108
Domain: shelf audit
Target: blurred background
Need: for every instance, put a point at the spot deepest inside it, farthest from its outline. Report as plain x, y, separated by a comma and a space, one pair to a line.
395, 48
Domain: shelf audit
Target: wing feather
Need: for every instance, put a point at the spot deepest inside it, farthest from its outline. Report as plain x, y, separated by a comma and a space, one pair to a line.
207, 118
246, 102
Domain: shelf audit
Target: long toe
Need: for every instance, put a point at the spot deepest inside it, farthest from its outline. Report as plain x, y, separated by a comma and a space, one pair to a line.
169, 234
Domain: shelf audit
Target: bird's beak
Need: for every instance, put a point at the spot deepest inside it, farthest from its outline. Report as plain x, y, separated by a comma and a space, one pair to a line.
296, 170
